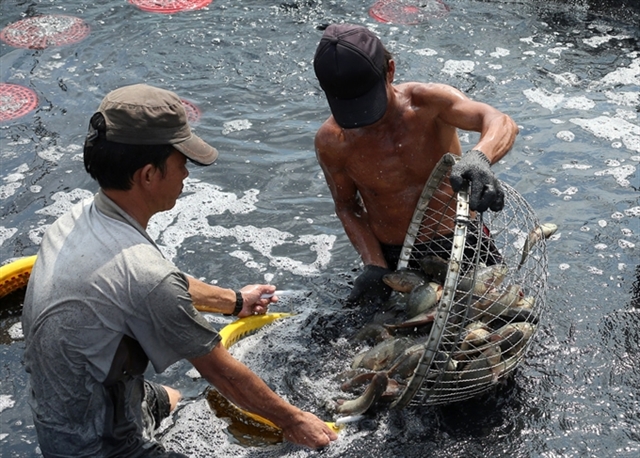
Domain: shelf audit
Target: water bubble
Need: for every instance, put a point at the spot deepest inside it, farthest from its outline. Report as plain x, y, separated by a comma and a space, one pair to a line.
635, 211
626, 244
566, 135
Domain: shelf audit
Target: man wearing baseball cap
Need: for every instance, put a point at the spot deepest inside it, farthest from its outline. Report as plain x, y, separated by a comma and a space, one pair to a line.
102, 301
382, 142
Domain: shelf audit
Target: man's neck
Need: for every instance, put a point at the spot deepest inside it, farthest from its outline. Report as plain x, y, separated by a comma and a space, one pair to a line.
132, 203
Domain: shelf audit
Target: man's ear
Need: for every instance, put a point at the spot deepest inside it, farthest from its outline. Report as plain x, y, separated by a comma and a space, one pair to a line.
392, 71
146, 174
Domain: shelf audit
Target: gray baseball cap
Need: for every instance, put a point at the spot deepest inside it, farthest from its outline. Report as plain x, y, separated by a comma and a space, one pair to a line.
145, 115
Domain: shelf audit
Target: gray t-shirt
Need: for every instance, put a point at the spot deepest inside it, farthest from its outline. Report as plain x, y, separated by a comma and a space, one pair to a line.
100, 287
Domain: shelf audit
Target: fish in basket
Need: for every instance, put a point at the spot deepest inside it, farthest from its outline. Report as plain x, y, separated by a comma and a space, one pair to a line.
474, 289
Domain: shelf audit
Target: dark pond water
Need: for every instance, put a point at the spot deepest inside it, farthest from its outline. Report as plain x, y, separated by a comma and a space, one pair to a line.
568, 72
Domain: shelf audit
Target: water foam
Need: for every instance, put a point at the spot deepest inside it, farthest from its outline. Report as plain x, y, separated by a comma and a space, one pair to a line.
6, 402
6, 233
612, 129
190, 217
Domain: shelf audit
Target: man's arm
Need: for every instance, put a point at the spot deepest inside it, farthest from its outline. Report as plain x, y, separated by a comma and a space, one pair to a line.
497, 135
241, 386
214, 299
497, 130
368, 287
350, 210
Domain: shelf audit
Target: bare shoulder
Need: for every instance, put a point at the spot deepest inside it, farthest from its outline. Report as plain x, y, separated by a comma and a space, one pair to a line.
431, 93
329, 142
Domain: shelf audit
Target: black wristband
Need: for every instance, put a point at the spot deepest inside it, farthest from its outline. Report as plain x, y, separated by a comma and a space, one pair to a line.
239, 304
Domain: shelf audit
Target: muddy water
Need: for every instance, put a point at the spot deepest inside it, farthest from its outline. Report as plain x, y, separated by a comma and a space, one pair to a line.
568, 73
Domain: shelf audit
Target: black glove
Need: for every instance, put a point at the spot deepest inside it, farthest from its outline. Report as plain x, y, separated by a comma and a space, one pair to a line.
368, 288
485, 190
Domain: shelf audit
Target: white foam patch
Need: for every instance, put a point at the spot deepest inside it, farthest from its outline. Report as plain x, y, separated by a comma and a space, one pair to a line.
530, 41
579, 103
595, 270
63, 201
51, 154
453, 67
619, 173
35, 235
558, 50
190, 217
6, 233
552, 101
565, 79
15, 331
570, 191
612, 129
544, 98
633, 212
576, 166
624, 75
500, 52
426, 52
594, 42
8, 190
630, 99
235, 126
624, 244
566, 135
6, 402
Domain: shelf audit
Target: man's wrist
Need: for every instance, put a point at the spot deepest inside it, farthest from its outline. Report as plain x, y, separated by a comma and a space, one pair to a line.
238, 305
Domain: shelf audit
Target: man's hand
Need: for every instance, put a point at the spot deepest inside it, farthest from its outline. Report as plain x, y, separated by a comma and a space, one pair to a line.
309, 431
368, 288
253, 303
485, 190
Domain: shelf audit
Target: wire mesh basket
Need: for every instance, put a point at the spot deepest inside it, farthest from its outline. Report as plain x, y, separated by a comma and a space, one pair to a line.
492, 269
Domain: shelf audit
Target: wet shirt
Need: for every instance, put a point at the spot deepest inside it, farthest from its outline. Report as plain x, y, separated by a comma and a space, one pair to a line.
101, 303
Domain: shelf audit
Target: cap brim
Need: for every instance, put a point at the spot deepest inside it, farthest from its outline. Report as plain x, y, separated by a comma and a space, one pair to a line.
197, 150
360, 111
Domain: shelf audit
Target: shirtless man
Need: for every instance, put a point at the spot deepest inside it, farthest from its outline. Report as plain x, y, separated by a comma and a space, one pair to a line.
382, 142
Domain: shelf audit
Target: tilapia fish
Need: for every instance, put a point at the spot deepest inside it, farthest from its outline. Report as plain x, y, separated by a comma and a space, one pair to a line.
363, 403
423, 298
543, 231
435, 267
486, 278
382, 355
484, 369
404, 281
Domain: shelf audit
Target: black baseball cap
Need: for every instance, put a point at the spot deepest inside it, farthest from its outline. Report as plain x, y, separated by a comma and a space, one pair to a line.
349, 64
